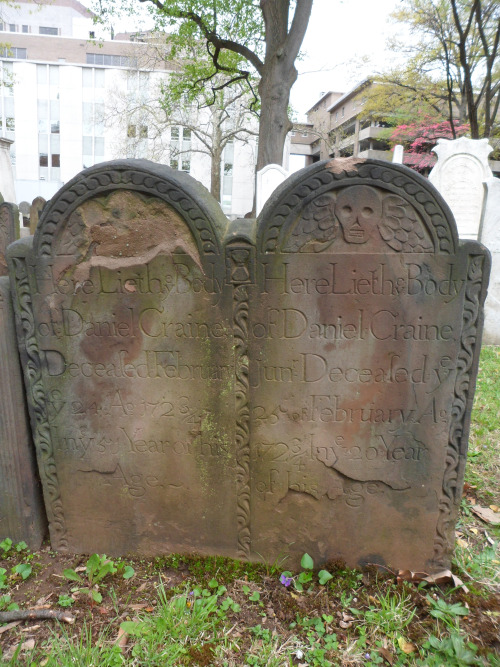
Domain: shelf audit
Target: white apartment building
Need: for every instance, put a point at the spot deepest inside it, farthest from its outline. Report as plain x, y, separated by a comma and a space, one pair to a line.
67, 102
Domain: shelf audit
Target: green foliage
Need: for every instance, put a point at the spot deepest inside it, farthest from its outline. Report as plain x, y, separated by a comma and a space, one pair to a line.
452, 651
304, 577
96, 569
448, 613
22, 569
65, 600
83, 650
6, 545
6, 604
187, 620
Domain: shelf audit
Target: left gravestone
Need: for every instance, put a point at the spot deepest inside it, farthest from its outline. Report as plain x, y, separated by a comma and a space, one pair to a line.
22, 516
120, 303
9, 231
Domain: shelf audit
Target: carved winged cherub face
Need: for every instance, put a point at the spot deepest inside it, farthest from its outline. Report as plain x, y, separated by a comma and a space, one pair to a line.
359, 211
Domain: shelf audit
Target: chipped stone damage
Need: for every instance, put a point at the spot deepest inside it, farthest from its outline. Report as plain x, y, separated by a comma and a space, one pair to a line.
123, 230
347, 164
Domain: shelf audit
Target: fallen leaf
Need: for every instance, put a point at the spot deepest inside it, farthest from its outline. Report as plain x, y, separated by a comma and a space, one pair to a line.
495, 508
121, 639
28, 645
32, 627
344, 625
373, 600
142, 587
9, 626
387, 655
135, 607
443, 577
463, 543
405, 646
104, 611
149, 609
486, 514
80, 568
44, 599
475, 531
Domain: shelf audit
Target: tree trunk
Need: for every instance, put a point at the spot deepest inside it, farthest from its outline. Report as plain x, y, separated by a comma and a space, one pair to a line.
278, 74
216, 163
274, 90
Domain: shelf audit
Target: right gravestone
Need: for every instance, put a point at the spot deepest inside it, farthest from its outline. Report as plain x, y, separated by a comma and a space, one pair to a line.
363, 342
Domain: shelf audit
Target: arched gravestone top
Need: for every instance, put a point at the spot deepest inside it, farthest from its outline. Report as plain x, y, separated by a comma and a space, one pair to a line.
397, 196
179, 190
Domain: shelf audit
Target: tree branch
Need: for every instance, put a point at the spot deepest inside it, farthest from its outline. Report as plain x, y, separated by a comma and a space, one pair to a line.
210, 35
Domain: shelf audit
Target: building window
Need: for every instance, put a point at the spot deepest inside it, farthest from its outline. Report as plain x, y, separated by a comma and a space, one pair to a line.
305, 134
12, 27
48, 31
113, 61
7, 123
25, 28
343, 112
13, 52
92, 34
49, 140
180, 148
93, 82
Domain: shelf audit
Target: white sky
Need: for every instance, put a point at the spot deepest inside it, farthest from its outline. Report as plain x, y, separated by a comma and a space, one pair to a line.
340, 34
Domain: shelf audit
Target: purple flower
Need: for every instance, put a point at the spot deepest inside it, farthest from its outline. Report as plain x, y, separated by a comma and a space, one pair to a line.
286, 581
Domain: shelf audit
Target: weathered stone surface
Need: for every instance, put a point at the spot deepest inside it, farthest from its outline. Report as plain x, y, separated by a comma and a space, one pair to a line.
195, 390
133, 390
9, 223
459, 173
363, 354
22, 514
489, 235
35, 212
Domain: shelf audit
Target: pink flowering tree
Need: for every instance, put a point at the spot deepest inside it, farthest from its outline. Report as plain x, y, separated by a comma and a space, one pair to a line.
420, 137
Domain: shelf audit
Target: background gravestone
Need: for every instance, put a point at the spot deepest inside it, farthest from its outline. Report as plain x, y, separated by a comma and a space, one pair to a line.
129, 347
459, 173
35, 212
24, 209
489, 235
307, 391
9, 224
22, 515
363, 347
268, 179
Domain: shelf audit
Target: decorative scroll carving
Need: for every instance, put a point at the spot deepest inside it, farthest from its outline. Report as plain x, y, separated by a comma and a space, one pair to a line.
41, 429
452, 479
242, 432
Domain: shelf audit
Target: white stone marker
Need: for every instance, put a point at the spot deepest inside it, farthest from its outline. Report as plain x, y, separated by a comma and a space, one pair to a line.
489, 235
459, 173
268, 179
